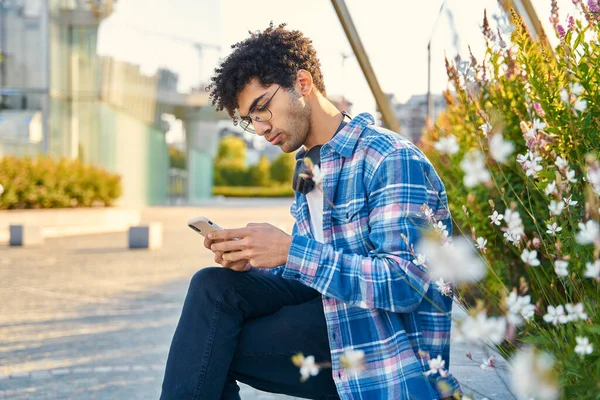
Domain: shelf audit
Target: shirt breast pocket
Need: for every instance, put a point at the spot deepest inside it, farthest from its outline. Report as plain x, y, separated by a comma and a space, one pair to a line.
348, 212
350, 226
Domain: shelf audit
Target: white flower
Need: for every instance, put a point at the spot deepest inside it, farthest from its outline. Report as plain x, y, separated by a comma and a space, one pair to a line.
588, 232
583, 346
457, 261
538, 124
496, 218
580, 105
420, 260
447, 144
514, 222
500, 149
488, 364
529, 162
555, 315
483, 328
512, 237
561, 163
1, 189
486, 128
353, 360
530, 134
593, 177
570, 175
519, 308
576, 88
428, 213
569, 202
481, 242
530, 257
561, 268
309, 368
550, 188
436, 365
528, 311
564, 96
473, 165
444, 287
515, 226
317, 175
552, 229
531, 375
592, 270
556, 207
576, 312
440, 227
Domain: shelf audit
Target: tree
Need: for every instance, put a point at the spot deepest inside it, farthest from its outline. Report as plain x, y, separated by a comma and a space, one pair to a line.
232, 149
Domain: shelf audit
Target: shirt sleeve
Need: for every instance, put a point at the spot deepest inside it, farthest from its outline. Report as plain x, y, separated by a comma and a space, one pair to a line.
387, 278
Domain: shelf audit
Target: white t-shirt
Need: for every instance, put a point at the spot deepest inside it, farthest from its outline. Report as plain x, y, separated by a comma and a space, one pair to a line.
314, 199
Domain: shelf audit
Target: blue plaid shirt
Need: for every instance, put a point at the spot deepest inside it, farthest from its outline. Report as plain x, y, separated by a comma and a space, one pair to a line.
375, 298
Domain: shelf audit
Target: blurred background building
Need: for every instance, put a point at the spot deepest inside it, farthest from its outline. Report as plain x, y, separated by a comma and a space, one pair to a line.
58, 96
412, 114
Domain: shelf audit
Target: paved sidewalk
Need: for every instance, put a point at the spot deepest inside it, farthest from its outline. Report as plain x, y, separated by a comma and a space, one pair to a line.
85, 318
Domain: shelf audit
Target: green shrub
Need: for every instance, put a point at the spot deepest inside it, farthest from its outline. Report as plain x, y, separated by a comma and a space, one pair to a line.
47, 183
230, 163
282, 168
260, 174
228, 173
254, 191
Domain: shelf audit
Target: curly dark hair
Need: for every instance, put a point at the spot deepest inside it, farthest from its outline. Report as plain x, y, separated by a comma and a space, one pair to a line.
274, 55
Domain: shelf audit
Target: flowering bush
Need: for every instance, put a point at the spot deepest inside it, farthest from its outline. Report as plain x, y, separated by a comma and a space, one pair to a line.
517, 149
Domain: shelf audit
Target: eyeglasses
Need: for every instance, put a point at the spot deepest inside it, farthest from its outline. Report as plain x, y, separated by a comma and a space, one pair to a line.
258, 114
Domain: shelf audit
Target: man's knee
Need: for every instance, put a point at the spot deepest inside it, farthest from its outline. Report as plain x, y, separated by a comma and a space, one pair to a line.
212, 281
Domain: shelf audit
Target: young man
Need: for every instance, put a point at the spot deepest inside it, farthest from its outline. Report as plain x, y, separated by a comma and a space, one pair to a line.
344, 280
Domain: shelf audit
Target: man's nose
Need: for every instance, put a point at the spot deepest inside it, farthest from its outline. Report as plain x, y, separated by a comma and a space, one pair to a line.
261, 128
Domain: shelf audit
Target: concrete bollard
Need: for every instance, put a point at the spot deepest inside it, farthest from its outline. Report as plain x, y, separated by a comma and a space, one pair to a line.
148, 236
25, 235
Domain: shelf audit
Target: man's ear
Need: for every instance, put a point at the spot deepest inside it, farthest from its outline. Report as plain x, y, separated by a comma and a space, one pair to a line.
304, 82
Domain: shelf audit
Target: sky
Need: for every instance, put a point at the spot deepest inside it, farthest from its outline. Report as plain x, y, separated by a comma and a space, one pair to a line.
395, 34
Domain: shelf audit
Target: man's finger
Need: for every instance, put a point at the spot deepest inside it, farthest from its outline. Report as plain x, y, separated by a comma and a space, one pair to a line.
229, 234
229, 245
241, 266
235, 256
207, 243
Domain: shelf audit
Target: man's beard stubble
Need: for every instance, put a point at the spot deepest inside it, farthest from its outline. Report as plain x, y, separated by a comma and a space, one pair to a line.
299, 126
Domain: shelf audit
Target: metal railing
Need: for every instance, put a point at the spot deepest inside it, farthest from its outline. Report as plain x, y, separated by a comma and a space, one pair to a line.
178, 186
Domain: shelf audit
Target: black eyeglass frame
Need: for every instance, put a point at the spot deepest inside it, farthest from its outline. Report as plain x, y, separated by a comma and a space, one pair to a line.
246, 121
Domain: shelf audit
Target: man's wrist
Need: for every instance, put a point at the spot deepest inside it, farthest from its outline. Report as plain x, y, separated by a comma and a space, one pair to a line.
285, 249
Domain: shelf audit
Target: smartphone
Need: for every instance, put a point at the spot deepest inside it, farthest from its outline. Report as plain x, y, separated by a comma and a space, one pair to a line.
203, 225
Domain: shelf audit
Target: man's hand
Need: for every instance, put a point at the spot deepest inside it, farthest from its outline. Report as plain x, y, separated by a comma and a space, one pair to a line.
240, 265
263, 245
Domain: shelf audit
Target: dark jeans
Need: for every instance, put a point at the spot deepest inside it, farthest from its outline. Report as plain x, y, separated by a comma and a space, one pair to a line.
246, 326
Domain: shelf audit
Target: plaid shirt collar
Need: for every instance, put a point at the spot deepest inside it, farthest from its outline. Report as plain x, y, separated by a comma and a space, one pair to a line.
345, 141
